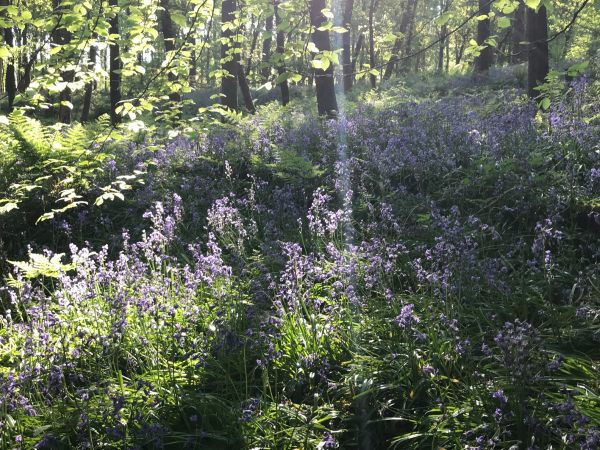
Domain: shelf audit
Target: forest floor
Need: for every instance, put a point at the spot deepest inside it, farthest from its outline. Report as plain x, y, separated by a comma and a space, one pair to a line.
422, 272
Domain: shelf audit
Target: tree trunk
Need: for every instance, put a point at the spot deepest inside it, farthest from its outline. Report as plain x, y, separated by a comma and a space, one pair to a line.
89, 88
372, 61
25, 67
229, 59
62, 37
518, 51
255, 34
411, 32
356, 53
407, 18
348, 75
266, 48
443, 37
169, 35
193, 60
114, 64
10, 80
537, 37
280, 38
325, 87
245, 88
483, 62
460, 48
447, 53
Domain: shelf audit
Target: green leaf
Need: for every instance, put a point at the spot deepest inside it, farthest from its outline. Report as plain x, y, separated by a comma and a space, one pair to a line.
327, 13
444, 18
326, 26
503, 22
577, 69
7, 207
178, 19
41, 265
533, 4
317, 63
545, 103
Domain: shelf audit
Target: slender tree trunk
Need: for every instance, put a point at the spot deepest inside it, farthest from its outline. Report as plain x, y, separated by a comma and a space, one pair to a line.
62, 37
10, 79
266, 48
442, 47
389, 67
245, 88
407, 17
460, 49
325, 87
280, 49
538, 59
356, 53
372, 60
89, 87
447, 54
169, 35
193, 60
483, 62
2, 87
518, 50
255, 34
25, 68
114, 64
228, 57
348, 75
411, 31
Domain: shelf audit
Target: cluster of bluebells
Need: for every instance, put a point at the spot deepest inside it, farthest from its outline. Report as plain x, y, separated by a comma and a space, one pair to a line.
123, 309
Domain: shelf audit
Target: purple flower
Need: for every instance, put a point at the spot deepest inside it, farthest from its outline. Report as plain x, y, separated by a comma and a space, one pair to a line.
500, 396
328, 441
429, 370
407, 317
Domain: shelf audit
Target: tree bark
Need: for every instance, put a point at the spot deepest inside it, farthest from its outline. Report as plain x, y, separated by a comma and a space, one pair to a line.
255, 34
280, 49
62, 37
10, 77
442, 47
229, 58
372, 61
25, 68
325, 87
356, 53
266, 48
245, 88
169, 35
407, 18
89, 87
460, 48
518, 53
347, 72
193, 60
483, 62
114, 64
411, 32
538, 59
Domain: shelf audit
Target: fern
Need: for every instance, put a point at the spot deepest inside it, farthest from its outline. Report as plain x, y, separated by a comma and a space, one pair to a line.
53, 166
